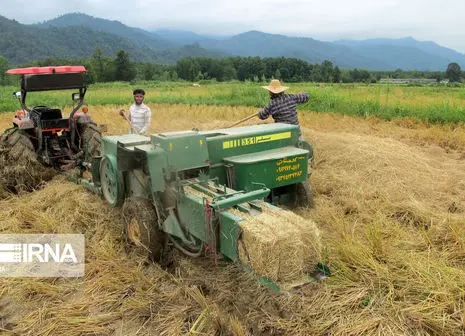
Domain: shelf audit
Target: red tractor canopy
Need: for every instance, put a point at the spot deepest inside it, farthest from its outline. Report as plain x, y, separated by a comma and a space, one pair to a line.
51, 78
46, 70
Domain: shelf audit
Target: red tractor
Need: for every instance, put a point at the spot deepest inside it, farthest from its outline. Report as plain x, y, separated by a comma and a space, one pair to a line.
42, 131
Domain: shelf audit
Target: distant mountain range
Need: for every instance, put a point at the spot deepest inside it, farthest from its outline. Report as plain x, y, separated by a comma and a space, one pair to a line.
76, 35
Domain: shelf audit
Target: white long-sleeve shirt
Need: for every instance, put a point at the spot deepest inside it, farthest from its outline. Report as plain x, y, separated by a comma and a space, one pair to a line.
140, 116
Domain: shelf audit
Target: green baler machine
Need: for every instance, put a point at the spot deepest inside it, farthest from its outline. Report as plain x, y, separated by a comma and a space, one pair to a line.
190, 188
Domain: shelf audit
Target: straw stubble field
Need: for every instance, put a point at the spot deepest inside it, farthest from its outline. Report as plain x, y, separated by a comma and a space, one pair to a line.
390, 205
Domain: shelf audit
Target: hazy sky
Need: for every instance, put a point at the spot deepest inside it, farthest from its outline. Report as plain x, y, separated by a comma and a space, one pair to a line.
438, 21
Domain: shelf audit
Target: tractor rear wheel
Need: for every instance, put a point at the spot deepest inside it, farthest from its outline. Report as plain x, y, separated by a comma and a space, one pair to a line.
19, 145
91, 139
20, 169
141, 227
304, 195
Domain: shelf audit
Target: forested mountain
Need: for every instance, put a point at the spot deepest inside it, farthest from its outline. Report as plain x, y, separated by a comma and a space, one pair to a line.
138, 36
76, 35
255, 43
377, 54
406, 53
179, 36
20, 43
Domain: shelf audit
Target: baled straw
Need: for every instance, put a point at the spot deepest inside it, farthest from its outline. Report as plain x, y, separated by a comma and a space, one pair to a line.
278, 244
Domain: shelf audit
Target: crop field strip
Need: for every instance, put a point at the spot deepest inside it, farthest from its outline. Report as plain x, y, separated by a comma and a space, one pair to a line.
431, 104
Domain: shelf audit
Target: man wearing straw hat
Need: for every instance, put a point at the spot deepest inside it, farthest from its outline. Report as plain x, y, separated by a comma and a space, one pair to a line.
283, 107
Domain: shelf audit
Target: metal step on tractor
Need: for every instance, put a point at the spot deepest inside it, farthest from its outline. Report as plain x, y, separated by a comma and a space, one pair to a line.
41, 131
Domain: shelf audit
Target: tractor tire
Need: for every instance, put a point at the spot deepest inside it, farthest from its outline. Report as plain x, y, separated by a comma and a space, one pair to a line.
18, 145
91, 139
304, 195
141, 228
20, 169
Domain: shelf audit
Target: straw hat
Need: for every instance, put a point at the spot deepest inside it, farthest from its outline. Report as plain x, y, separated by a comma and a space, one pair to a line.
275, 86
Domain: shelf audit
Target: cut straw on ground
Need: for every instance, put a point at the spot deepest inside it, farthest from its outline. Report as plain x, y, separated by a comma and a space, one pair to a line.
389, 201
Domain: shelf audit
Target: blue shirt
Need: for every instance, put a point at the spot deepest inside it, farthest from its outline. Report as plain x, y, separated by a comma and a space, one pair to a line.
283, 108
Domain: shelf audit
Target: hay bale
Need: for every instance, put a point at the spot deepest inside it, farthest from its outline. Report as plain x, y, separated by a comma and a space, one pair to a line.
278, 244
309, 234
259, 247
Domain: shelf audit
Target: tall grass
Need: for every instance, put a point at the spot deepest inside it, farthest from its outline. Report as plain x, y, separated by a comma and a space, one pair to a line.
434, 104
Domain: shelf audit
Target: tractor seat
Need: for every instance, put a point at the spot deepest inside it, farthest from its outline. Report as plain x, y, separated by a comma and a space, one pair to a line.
45, 113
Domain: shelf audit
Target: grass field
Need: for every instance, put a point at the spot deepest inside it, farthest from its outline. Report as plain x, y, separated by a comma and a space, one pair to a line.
431, 104
389, 200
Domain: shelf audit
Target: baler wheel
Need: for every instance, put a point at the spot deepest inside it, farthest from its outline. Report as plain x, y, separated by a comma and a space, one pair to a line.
141, 227
304, 195
111, 181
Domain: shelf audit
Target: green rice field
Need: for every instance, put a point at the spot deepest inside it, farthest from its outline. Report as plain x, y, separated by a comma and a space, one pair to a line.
431, 104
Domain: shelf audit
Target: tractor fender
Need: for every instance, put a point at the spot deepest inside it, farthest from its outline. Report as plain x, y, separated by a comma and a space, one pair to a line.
82, 118
23, 122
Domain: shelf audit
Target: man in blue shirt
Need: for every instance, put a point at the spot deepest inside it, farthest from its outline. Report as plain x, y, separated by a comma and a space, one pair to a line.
283, 107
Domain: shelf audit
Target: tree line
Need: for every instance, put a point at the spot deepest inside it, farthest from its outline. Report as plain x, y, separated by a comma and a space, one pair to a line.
120, 68
295, 70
